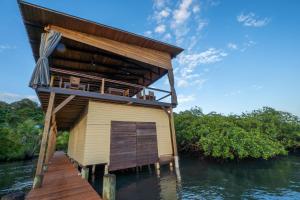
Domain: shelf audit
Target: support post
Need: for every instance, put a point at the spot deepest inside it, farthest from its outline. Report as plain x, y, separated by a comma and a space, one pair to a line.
38, 179
157, 168
174, 143
85, 173
49, 148
93, 169
106, 169
109, 187
171, 166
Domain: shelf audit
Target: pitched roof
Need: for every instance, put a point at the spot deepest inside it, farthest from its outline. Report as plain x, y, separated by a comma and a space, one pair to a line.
37, 16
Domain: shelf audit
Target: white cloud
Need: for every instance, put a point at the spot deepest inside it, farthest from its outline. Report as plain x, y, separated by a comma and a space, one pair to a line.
186, 98
167, 36
248, 44
196, 9
181, 14
4, 47
159, 4
148, 33
12, 97
164, 13
160, 28
252, 20
187, 75
201, 24
232, 46
211, 55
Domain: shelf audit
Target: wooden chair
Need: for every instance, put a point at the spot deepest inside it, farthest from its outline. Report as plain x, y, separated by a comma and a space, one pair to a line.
151, 96
74, 84
126, 93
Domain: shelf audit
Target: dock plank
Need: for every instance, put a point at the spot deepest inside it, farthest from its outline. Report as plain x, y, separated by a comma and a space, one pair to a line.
61, 181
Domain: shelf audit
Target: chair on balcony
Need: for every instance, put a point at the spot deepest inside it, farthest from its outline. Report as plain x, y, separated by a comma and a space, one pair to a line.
74, 84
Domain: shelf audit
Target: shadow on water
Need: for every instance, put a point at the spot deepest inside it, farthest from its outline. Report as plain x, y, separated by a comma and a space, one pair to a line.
201, 179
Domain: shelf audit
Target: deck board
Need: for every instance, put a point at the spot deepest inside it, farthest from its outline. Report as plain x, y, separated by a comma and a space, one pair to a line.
62, 181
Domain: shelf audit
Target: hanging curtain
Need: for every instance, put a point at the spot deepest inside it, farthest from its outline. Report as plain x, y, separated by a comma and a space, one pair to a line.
173, 92
41, 75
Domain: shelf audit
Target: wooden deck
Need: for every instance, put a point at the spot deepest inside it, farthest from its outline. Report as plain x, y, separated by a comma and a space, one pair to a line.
61, 181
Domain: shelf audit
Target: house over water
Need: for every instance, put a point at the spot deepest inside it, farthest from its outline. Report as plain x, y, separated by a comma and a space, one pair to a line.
95, 81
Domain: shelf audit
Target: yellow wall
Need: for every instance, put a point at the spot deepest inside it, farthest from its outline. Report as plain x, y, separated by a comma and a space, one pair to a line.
99, 119
76, 144
89, 141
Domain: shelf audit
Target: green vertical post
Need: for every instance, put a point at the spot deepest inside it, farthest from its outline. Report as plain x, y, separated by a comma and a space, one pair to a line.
109, 187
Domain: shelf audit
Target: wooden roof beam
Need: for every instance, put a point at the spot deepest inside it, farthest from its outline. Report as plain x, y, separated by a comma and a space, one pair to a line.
149, 56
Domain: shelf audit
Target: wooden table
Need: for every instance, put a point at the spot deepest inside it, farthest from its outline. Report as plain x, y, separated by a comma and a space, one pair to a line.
116, 91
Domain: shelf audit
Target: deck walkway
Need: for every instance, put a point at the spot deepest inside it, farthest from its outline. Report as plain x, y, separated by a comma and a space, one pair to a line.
61, 181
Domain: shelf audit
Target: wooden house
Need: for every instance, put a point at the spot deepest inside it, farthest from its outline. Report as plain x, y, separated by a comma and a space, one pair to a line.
95, 81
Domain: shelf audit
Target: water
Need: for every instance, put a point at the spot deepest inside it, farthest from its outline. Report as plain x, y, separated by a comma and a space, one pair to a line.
16, 176
273, 179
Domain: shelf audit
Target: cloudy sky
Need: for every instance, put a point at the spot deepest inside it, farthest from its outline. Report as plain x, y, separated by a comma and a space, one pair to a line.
239, 55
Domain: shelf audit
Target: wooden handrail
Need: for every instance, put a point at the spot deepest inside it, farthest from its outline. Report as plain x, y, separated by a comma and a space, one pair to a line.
100, 79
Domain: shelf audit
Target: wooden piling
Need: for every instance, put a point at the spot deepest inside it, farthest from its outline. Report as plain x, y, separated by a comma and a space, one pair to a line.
93, 169
85, 173
106, 169
157, 168
109, 187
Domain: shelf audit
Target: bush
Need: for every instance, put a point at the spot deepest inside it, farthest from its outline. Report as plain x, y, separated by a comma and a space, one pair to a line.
263, 133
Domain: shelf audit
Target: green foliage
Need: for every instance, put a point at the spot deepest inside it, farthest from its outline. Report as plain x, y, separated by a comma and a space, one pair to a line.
20, 129
21, 125
62, 141
262, 133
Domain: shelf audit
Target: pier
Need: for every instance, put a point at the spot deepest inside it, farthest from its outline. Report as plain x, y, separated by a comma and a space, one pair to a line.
63, 181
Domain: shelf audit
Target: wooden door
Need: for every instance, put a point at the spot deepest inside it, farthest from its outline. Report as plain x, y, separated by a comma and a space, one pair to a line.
122, 145
132, 144
146, 152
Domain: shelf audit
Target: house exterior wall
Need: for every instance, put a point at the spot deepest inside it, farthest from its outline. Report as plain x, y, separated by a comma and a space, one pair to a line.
89, 141
76, 143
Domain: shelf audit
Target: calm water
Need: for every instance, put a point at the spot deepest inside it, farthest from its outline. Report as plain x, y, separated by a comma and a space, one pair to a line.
274, 179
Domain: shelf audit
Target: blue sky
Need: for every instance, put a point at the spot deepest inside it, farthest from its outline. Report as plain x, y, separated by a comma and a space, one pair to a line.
239, 55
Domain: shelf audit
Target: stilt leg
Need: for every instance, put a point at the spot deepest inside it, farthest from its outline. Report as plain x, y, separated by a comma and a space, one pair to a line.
109, 187
157, 168
176, 161
85, 173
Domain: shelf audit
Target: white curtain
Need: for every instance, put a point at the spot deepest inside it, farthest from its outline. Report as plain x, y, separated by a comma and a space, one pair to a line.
41, 74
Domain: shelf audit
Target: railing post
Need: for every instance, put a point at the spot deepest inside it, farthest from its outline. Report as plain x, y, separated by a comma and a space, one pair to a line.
102, 86
144, 93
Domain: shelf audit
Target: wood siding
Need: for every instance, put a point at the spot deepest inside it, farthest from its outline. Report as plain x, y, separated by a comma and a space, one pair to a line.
146, 152
77, 138
132, 144
99, 117
123, 145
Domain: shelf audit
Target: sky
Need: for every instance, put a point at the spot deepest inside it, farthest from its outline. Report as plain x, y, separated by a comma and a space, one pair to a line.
239, 55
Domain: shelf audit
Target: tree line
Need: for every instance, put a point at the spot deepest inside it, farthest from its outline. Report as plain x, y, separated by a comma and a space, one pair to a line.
262, 133
21, 125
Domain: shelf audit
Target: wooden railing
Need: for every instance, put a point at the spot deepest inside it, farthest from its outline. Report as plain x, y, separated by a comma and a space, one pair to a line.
102, 82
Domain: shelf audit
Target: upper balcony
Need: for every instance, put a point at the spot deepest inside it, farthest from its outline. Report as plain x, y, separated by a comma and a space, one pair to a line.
86, 60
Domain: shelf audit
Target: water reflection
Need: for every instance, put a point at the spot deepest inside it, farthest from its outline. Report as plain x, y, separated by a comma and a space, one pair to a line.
16, 176
200, 179
145, 184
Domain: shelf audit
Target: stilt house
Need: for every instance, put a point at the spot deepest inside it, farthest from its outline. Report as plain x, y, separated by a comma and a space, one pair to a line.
95, 81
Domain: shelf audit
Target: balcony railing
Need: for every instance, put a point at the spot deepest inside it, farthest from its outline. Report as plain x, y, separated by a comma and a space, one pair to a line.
91, 83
